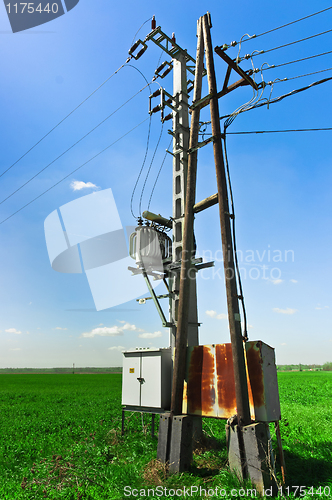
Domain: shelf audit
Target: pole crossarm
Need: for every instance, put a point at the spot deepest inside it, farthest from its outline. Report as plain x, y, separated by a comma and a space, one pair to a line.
171, 48
232, 64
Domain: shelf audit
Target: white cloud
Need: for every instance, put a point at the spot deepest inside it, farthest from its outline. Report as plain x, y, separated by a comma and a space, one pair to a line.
277, 282
13, 330
150, 335
59, 328
212, 314
117, 348
284, 311
112, 331
293, 281
284, 343
319, 307
16, 349
78, 185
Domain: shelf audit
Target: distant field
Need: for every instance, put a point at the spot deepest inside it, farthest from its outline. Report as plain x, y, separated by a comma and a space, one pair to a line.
60, 439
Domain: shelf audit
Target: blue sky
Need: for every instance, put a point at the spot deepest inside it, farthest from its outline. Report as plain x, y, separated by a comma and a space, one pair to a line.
281, 182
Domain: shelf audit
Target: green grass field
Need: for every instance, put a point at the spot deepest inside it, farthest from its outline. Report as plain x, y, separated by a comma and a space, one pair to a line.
60, 439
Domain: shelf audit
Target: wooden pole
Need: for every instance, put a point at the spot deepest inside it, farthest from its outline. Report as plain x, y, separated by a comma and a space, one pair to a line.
179, 368
241, 385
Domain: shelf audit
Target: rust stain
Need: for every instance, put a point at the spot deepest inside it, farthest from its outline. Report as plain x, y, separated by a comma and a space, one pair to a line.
194, 400
200, 385
225, 379
208, 390
255, 370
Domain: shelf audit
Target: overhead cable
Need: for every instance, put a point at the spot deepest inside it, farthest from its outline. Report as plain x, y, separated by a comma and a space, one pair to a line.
281, 131
272, 66
76, 108
159, 172
65, 118
73, 171
238, 274
233, 44
301, 76
73, 145
149, 169
284, 45
292, 22
280, 98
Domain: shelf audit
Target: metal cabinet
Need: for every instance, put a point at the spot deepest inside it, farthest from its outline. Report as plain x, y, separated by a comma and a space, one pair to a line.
146, 379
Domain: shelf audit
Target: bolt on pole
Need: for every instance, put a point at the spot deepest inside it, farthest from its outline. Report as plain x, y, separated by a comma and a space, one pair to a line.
240, 376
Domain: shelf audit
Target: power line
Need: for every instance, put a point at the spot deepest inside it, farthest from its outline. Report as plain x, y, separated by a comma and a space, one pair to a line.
159, 172
73, 145
301, 76
289, 24
297, 60
149, 170
281, 131
260, 52
65, 118
76, 108
139, 29
71, 173
277, 99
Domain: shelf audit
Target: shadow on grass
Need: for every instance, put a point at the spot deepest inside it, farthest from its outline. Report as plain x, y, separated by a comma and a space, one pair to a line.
309, 471
210, 456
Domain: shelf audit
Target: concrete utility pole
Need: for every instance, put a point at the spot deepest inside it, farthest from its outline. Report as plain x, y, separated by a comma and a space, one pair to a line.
180, 168
188, 272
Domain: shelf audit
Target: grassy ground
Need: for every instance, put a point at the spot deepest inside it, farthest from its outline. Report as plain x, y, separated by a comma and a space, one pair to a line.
60, 439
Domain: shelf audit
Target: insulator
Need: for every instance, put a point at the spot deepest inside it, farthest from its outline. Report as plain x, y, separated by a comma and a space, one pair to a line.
141, 52
166, 72
134, 47
156, 93
156, 109
168, 117
153, 23
173, 38
161, 67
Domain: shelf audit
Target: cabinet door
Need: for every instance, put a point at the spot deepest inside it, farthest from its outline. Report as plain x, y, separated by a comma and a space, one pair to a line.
131, 387
151, 386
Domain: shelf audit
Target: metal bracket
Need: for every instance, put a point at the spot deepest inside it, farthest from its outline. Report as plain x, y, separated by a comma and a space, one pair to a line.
156, 302
172, 48
202, 144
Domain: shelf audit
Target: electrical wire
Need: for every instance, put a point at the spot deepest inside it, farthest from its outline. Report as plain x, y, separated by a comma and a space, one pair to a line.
73, 145
281, 131
273, 66
65, 118
159, 172
150, 166
277, 99
145, 154
241, 297
76, 108
301, 76
139, 29
288, 44
285, 25
73, 171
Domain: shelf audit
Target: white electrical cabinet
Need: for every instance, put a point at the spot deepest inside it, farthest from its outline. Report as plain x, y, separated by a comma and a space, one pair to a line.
146, 379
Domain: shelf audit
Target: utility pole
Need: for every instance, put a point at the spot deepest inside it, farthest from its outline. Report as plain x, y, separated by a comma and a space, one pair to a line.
234, 319
248, 442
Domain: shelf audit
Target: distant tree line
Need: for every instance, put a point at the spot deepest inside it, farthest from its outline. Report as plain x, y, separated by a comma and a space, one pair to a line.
300, 367
112, 369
